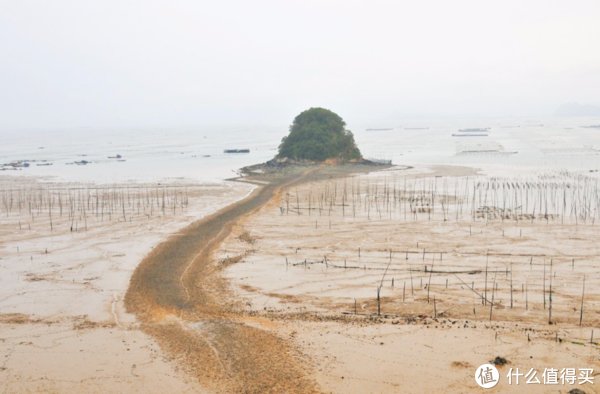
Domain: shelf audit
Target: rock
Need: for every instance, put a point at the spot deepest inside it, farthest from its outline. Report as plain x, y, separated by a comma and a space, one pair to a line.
499, 361
576, 391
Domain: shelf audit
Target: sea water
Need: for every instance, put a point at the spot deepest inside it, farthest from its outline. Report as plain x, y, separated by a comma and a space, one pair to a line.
197, 155
511, 145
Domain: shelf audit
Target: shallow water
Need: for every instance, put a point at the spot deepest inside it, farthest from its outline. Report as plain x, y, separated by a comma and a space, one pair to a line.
197, 154
511, 144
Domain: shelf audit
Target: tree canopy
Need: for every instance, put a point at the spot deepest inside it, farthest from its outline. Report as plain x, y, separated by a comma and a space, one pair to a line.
319, 134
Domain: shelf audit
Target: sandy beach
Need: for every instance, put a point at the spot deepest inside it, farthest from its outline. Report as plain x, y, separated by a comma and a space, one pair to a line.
63, 326
312, 264
278, 292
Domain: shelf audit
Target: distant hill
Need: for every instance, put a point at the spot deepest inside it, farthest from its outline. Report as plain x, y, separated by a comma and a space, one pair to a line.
576, 109
319, 134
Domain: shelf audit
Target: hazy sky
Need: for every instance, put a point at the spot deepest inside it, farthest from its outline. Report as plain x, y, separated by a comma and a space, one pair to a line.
105, 63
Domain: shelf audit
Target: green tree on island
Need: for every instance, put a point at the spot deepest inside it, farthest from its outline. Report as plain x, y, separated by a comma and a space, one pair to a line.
319, 134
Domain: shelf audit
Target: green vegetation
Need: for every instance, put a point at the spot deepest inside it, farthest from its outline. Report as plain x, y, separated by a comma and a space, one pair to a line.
319, 134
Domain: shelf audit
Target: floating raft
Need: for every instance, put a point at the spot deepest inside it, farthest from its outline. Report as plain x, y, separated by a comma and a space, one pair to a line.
475, 130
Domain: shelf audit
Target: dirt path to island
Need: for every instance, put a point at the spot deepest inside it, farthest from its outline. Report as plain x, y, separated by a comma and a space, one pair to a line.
181, 299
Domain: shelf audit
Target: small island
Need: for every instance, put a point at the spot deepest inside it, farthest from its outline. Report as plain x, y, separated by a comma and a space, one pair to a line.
319, 134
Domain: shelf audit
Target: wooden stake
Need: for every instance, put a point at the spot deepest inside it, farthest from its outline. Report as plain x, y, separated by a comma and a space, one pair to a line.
581, 307
511, 285
492, 302
486, 277
378, 302
550, 296
526, 297
544, 285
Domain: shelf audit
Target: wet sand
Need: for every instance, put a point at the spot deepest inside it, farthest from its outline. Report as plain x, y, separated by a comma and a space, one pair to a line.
63, 325
304, 272
221, 311
178, 294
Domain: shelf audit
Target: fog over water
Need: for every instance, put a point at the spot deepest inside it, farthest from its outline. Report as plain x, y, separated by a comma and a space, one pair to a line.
157, 80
